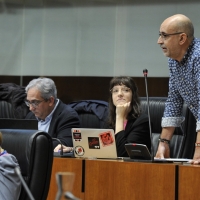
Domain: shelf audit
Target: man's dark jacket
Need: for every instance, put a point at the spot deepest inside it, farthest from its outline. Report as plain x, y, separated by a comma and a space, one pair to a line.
64, 118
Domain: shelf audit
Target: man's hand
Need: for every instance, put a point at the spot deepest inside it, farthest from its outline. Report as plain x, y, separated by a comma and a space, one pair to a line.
163, 147
65, 149
163, 150
196, 157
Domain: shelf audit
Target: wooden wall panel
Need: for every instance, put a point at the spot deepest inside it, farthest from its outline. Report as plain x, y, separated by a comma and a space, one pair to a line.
66, 165
119, 180
188, 182
78, 88
10, 79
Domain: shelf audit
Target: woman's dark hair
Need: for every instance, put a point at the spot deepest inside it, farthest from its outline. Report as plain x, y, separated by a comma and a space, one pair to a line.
135, 103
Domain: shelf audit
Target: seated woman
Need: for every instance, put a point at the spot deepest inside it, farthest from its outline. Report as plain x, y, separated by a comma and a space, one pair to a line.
125, 117
9, 181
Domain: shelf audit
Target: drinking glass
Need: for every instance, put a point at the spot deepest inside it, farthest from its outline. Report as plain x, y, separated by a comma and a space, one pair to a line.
65, 182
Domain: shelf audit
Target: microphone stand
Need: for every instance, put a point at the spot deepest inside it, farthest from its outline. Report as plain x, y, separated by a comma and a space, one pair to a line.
145, 72
17, 171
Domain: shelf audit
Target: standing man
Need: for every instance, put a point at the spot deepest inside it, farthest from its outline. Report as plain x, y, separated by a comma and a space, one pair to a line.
54, 117
176, 38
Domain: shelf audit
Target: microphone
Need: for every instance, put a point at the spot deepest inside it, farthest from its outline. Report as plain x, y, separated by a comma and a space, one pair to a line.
61, 149
17, 171
145, 72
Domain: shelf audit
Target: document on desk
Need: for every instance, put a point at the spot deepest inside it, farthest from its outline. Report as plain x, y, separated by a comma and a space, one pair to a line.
173, 159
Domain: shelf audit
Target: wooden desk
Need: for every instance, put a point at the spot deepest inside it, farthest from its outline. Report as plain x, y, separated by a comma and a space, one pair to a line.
127, 180
112, 179
66, 165
189, 182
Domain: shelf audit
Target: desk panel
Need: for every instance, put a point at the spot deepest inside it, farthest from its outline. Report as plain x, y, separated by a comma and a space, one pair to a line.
66, 165
189, 182
127, 180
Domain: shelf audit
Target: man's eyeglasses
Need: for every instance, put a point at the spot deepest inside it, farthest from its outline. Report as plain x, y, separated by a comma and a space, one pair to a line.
124, 90
164, 36
34, 103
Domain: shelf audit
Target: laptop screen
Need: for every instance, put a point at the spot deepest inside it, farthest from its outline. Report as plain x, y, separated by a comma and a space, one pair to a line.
8, 123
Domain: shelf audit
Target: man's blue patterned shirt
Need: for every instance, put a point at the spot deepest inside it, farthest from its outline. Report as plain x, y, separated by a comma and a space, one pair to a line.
184, 86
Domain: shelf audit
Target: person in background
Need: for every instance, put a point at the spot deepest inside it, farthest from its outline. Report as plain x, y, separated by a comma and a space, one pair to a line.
125, 117
177, 41
10, 184
54, 117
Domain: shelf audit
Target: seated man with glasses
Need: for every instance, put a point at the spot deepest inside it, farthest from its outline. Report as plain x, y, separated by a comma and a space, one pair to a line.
54, 117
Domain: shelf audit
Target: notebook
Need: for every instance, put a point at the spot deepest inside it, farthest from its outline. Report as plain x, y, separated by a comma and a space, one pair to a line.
94, 143
10, 123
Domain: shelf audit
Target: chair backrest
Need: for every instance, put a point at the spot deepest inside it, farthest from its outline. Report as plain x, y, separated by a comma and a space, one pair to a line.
34, 152
92, 113
182, 136
6, 110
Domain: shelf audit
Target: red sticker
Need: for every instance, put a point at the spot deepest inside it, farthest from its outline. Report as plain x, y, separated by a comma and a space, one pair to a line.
79, 150
106, 138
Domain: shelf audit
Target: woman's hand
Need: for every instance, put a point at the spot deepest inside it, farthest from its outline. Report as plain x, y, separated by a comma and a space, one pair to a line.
65, 148
122, 110
121, 114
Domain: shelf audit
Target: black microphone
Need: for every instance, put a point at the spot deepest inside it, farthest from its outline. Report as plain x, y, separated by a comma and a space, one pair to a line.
17, 171
61, 149
145, 72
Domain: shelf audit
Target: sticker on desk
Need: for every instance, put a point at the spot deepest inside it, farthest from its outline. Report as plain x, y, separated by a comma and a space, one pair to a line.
79, 150
77, 135
106, 138
93, 143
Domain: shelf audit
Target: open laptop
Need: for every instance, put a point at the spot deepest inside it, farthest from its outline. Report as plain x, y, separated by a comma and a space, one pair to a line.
94, 143
12, 123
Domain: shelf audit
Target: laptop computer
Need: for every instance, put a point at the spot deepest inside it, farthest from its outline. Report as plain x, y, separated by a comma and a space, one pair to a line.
11, 123
94, 143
